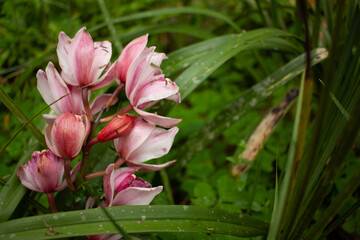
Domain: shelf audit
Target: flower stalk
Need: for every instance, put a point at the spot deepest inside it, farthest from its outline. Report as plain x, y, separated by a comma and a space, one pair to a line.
50, 197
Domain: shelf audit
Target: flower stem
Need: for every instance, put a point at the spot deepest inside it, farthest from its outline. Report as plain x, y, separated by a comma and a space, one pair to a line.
114, 96
121, 112
67, 174
86, 149
50, 197
85, 98
118, 163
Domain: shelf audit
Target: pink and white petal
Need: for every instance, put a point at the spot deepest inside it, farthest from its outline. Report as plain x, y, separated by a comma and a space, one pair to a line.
175, 98
102, 55
156, 145
128, 55
58, 89
77, 102
129, 143
27, 178
90, 202
99, 103
81, 56
50, 142
155, 91
153, 118
62, 50
108, 183
136, 196
50, 119
44, 89
136, 72
149, 167
107, 78
151, 70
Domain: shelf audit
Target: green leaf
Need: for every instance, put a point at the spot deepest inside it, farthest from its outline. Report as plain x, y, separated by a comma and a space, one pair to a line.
170, 11
204, 195
186, 56
232, 113
172, 28
204, 66
9, 103
134, 219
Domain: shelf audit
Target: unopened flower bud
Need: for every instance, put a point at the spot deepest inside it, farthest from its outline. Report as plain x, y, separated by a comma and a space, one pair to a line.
118, 127
66, 136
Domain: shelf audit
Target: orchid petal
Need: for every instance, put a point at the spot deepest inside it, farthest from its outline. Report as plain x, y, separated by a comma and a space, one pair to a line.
99, 103
50, 119
44, 89
81, 56
128, 55
63, 49
108, 182
136, 196
156, 145
156, 90
130, 142
101, 58
58, 89
26, 177
153, 118
149, 167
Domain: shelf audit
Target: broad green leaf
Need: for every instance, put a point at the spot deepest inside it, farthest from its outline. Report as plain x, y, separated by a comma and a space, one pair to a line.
185, 57
204, 66
170, 11
134, 219
249, 100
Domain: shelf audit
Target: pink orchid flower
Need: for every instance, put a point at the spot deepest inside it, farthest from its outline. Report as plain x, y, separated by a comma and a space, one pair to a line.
66, 136
122, 187
83, 61
145, 142
139, 68
52, 87
44, 172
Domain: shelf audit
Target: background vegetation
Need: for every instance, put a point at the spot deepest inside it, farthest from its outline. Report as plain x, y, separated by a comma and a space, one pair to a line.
228, 85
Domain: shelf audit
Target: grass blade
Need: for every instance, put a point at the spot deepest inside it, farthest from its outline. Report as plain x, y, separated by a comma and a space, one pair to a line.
10, 104
170, 11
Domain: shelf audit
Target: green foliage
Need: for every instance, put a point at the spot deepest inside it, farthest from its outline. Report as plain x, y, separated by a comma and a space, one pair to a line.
228, 78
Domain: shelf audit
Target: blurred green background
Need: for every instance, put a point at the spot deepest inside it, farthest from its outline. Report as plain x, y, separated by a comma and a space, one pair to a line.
28, 39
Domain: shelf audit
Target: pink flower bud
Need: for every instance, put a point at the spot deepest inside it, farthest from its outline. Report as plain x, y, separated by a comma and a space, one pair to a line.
118, 127
44, 172
67, 135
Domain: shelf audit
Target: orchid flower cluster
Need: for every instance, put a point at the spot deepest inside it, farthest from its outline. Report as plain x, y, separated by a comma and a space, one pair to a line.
85, 67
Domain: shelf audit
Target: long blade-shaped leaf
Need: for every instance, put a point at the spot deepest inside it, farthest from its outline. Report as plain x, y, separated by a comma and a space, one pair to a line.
170, 11
253, 96
134, 219
207, 64
11, 105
